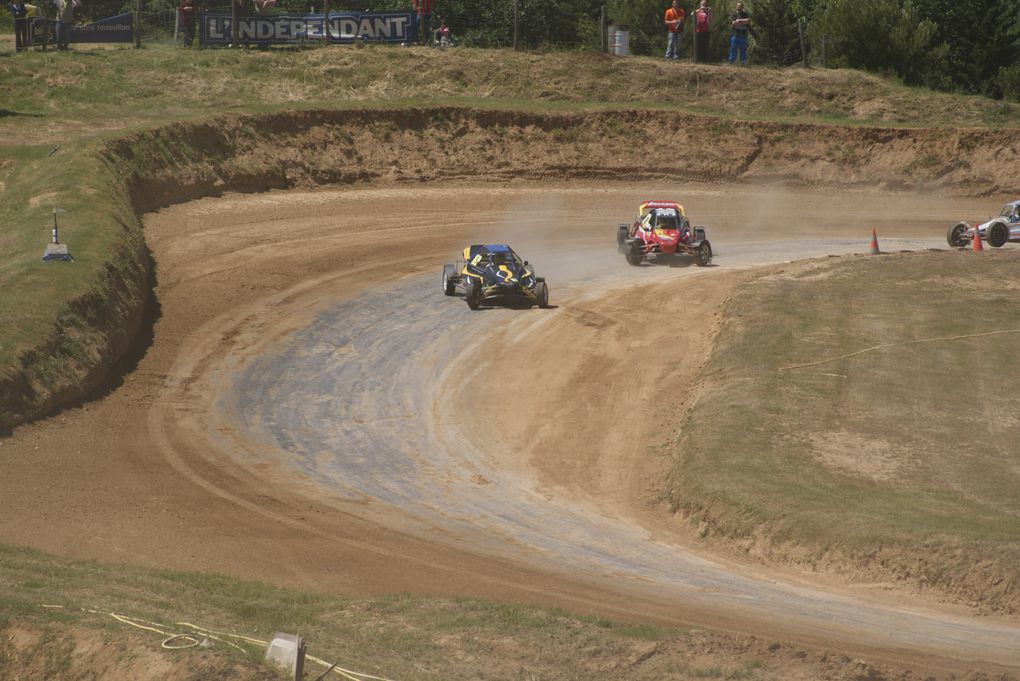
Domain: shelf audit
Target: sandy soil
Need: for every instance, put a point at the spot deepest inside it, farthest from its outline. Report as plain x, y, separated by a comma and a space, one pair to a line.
203, 457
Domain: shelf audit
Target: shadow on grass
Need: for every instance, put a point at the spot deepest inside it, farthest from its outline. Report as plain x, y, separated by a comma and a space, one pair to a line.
6, 113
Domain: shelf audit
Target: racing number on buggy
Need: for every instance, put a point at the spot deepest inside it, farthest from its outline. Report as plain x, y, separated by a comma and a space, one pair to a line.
475, 260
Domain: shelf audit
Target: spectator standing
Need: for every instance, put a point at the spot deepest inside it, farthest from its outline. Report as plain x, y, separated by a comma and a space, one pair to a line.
740, 24
674, 19
186, 21
65, 19
702, 18
423, 8
20, 13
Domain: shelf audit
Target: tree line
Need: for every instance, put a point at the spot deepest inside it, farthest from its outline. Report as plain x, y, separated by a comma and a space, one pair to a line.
947, 45
973, 47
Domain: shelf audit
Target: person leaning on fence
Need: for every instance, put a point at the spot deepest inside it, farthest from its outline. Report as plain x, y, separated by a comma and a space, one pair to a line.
20, 13
740, 24
702, 18
186, 21
65, 19
674, 19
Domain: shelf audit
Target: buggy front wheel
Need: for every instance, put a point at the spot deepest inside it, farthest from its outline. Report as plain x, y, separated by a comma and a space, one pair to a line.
449, 287
704, 254
543, 295
957, 235
474, 294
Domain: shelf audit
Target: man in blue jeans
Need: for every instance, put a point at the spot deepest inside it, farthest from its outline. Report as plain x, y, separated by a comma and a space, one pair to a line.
20, 13
740, 24
674, 18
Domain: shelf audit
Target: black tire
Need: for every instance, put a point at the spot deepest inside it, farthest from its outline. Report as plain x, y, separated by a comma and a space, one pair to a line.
622, 232
449, 288
542, 295
997, 234
703, 257
955, 235
634, 256
474, 294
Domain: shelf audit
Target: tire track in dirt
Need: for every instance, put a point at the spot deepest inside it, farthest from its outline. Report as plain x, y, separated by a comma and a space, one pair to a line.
360, 401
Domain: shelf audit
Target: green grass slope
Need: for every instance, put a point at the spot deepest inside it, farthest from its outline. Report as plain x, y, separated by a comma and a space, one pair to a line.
57, 622
859, 416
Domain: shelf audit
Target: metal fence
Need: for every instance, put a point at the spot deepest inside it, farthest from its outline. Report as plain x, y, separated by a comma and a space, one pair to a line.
159, 25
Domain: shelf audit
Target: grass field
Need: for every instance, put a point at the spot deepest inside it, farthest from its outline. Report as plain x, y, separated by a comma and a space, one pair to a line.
861, 416
55, 96
396, 637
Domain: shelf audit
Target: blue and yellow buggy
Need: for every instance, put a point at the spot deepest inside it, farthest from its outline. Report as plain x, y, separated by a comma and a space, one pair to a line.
495, 274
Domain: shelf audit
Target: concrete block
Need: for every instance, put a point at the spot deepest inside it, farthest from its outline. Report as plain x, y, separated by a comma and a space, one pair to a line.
288, 652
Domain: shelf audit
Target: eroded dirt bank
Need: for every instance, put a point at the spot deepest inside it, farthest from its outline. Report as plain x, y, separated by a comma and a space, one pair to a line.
312, 148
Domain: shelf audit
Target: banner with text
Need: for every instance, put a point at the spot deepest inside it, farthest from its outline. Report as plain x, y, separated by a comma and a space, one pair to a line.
118, 29
388, 27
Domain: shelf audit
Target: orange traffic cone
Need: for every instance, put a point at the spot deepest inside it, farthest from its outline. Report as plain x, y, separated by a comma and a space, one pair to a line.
977, 245
874, 243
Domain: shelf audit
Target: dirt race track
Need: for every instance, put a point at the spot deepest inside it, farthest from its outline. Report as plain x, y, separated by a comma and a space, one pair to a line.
313, 412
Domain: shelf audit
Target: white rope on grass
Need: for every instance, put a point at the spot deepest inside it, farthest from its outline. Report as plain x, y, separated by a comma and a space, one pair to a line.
889, 345
190, 642
168, 643
215, 635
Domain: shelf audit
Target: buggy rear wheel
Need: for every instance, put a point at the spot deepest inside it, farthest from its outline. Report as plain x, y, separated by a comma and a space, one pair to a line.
997, 234
621, 238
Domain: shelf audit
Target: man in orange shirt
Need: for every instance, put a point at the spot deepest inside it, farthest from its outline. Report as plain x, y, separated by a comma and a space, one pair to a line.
674, 19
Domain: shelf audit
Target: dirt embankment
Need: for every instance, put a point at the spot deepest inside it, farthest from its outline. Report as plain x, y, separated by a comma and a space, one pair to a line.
310, 148
94, 337
295, 149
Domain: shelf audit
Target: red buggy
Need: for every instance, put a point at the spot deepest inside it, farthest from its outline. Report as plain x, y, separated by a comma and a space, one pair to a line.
662, 230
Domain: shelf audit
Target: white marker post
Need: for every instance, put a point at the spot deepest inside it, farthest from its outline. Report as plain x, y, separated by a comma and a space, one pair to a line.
57, 250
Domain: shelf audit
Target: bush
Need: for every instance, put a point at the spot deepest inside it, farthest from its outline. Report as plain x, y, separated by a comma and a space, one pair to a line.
1008, 81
